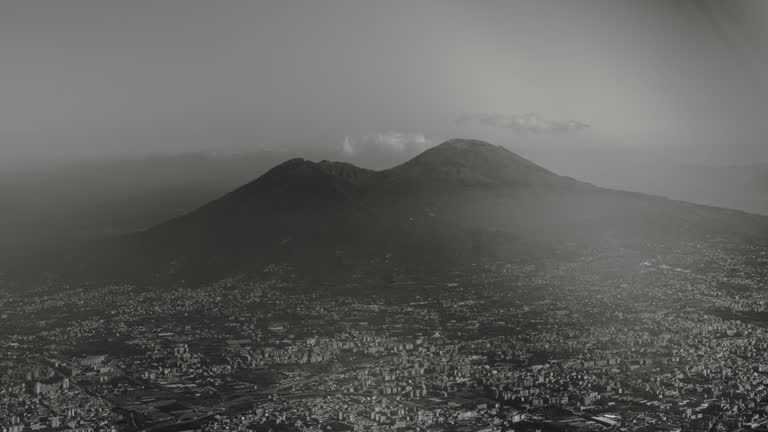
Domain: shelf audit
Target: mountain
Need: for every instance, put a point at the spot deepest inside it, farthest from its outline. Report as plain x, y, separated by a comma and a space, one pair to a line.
460, 162
458, 203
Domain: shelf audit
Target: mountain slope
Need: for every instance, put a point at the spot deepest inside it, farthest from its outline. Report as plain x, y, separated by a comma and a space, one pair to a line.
459, 162
44, 207
454, 204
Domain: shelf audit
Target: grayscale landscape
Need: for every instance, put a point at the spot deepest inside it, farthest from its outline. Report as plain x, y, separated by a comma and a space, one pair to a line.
411, 216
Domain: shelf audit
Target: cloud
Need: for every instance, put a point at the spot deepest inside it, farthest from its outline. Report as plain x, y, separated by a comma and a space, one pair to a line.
387, 142
523, 123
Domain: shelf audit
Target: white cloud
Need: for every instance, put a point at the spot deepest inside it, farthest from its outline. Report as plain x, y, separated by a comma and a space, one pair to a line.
347, 147
387, 142
523, 123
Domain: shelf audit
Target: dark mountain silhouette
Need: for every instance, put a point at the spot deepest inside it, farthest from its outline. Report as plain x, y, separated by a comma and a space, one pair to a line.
457, 203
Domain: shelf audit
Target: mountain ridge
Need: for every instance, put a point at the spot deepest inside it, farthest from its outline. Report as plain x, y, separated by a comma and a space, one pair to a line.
461, 202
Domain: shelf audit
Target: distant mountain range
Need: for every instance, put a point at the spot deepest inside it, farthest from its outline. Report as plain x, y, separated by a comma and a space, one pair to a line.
458, 203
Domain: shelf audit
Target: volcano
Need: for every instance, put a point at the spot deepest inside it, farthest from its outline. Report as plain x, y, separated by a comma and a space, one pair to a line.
458, 203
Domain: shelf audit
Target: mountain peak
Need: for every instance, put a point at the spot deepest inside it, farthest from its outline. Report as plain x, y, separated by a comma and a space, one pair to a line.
347, 171
474, 162
464, 143
292, 166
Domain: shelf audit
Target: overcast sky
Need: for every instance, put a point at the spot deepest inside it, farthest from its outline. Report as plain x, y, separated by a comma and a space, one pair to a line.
371, 80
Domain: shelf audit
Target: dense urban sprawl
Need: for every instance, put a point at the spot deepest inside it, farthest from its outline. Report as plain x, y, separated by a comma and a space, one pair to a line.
627, 341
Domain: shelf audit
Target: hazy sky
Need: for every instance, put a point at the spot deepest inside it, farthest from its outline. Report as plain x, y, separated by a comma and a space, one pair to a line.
372, 80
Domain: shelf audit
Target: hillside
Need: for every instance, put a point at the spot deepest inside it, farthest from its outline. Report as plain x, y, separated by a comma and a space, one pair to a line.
458, 203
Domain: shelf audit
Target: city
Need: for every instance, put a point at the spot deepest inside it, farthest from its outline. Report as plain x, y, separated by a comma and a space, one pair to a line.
675, 341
